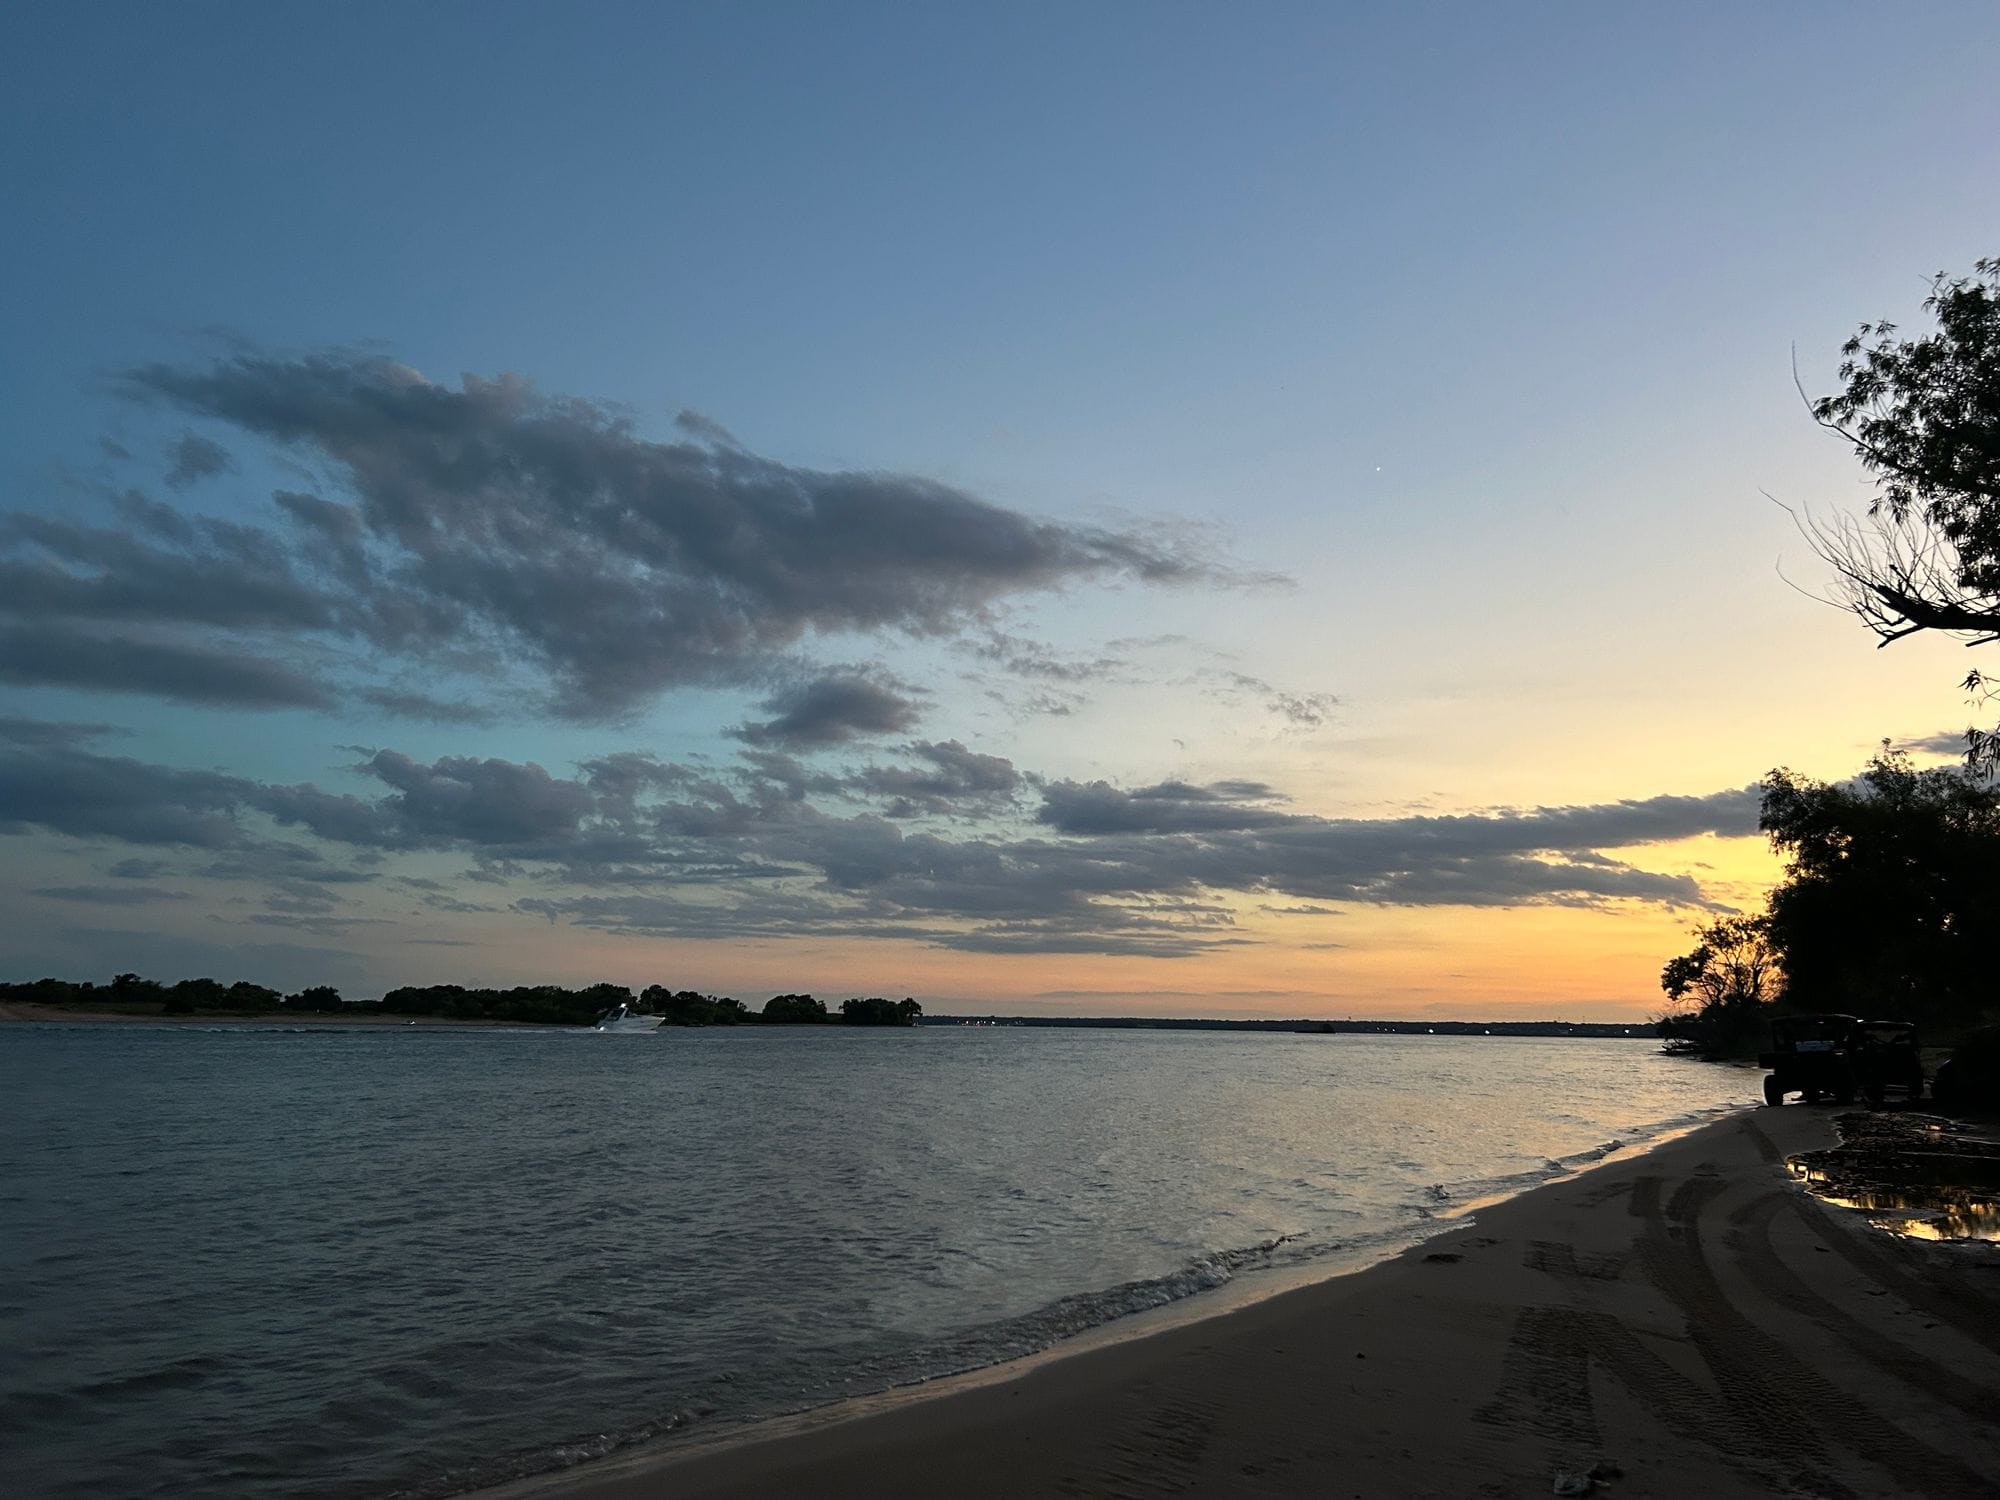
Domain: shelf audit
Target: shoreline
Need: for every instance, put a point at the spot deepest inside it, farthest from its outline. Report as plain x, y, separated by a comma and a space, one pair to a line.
28, 1011
1687, 1314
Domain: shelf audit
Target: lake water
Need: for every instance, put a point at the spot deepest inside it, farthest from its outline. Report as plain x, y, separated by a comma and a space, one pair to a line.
260, 1261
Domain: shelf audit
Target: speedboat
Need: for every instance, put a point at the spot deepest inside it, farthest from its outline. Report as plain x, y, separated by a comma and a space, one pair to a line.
626, 1019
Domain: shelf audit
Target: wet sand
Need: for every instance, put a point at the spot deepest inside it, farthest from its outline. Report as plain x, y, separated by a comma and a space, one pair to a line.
1686, 1322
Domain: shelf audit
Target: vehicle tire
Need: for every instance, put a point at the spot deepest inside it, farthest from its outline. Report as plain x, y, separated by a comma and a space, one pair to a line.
1812, 1096
1877, 1096
1773, 1095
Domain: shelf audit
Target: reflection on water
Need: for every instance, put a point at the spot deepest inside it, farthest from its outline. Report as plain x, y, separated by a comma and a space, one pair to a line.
1920, 1213
250, 1262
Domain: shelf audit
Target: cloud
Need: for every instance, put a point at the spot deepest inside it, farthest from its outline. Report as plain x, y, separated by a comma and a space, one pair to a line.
830, 710
1945, 742
46, 733
459, 800
195, 458
110, 895
71, 791
1302, 710
1032, 659
426, 709
1307, 710
491, 528
53, 656
1097, 807
947, 778
633, 843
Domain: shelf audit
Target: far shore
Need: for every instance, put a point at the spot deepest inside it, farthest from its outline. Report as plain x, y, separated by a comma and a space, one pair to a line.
17, 1010
1686, 1320
27, 1010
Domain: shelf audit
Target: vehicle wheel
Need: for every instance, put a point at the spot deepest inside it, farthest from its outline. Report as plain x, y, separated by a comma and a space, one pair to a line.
1812, 1096
1876, 1096
1773, 1095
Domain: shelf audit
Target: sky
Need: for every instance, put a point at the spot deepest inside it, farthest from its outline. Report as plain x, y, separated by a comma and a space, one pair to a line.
1119, 508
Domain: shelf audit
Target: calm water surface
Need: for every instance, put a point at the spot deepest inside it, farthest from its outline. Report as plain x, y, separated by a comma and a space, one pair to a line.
252, 1261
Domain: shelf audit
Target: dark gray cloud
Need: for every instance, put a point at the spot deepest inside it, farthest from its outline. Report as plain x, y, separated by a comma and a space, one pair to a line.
72, 791
634, 843
158, 567
830, 710
490, 522
109, 895
426, 709
1945, 742
44, 733
56, 656
459, 800
1170, 807
194, 458
946, 777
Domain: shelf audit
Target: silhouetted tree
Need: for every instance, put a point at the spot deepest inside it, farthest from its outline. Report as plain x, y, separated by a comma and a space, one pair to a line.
1725, 987
876, 1011
689, 1008
1891, 900
792, 1010
1923, 416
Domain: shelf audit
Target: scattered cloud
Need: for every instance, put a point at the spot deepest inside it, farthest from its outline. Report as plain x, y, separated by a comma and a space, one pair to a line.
947, 778
45, 733
58, 656
1300, 710
533, 542
425, 709
110, 895
194, 458
830, 710
634, 843
1945, 742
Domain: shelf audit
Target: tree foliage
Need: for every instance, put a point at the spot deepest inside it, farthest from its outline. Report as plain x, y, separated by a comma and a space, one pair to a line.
1722, 987
691, 1008
1889, 909
539, 1004
793, 1010
875, 1011
1923, 416
1891, 900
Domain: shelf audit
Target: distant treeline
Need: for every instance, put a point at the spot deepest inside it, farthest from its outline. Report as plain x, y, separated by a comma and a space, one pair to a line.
553, 1005
536, 1005
1376, 1028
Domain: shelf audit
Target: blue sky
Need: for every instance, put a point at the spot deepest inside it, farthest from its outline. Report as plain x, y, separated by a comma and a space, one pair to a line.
1436, 361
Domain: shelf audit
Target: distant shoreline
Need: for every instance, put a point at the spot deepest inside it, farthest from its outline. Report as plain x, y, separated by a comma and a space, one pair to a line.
16, 1010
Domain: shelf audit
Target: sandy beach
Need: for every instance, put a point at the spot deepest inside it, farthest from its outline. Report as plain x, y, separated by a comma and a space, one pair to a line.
1686, 1321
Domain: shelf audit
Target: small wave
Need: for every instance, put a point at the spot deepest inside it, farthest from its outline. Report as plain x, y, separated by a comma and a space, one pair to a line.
1553, 1168
175, 1376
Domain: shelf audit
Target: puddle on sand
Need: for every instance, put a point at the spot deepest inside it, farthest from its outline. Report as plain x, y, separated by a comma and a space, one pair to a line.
1921, 1214
1912, 1175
